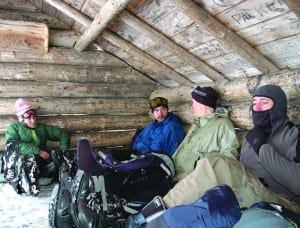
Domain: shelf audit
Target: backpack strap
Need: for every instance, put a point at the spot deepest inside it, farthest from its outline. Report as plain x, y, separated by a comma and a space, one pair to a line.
99, 185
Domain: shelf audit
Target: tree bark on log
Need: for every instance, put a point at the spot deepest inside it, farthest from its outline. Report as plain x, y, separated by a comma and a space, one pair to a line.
17, 88
240, 89
68, 73
98, 139
76, 106
63, 56
110, 10
85, 123
236, 96
23, 36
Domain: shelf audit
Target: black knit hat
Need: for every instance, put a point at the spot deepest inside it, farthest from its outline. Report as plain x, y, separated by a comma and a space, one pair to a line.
205, 95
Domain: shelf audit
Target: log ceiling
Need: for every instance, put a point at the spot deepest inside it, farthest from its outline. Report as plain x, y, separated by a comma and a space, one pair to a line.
177, 43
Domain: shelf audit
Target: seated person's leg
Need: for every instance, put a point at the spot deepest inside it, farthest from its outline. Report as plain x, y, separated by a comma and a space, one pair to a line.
31, 172
11, 156
218, 170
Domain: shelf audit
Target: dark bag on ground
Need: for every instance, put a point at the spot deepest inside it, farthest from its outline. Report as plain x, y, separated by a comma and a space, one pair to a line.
218, 207
105, 190
59, 214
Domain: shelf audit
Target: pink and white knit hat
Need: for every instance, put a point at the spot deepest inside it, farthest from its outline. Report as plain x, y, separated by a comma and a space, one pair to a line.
22, 107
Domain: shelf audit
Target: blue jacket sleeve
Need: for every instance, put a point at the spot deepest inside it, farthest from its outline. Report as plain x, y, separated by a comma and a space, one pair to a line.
142, 142
163, 138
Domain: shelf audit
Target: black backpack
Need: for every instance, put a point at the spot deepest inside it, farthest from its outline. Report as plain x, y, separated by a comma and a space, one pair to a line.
106, 190
59, 205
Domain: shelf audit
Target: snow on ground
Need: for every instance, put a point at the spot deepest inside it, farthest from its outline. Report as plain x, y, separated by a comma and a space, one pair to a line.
20, 211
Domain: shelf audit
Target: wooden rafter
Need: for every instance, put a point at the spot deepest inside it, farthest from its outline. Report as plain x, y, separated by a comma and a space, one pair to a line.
179, 51
148, 60
107, 13
228, 37
294, 6
159, 67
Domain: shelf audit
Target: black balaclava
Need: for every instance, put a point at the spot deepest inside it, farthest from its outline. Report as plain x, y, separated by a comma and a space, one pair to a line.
276, 117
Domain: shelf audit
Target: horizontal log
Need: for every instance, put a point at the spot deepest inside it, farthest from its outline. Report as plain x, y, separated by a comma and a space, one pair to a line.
240, 89
83, 21
98, 139
62, 38
179, 94
239, 113
80, 73
16, 88
77, 106
77, 123
17, 5
7, 11
23, 36
105, 139
63, 56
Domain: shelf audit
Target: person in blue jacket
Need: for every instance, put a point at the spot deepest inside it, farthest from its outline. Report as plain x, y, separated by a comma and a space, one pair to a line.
164, 134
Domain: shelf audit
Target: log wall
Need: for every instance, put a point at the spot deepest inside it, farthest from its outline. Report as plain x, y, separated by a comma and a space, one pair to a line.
235, 95
89, 94
92, 94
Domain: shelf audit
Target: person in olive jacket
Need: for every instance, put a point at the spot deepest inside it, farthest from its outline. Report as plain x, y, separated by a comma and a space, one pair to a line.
32, 138
212, 132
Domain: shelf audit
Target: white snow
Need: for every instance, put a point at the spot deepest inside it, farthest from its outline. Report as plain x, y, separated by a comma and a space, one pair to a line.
22, 210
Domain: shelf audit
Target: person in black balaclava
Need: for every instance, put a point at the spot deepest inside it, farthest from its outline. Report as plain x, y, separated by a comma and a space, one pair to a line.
271, 147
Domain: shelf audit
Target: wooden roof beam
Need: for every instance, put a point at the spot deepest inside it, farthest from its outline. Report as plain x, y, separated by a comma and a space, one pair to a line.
294, 6
228, 37
110, 37
107, 13
65, 9
146, 59
164, 41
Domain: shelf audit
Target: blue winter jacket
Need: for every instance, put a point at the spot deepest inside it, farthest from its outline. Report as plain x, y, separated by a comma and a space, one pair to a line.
164, 137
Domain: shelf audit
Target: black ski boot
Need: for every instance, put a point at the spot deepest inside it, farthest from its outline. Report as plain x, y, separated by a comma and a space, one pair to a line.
32, 173
11, 161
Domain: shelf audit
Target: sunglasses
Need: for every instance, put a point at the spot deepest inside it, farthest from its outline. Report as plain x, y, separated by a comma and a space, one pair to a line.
159, 101
30, 114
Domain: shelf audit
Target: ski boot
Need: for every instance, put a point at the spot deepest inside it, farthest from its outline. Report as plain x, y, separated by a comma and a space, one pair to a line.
11, 161
32, 173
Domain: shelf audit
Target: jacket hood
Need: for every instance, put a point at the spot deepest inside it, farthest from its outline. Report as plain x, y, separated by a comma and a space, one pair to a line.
278, 113
222, 112
219, 112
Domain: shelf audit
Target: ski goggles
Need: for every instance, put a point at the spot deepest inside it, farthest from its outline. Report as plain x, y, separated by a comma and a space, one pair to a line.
29, 114
158, 101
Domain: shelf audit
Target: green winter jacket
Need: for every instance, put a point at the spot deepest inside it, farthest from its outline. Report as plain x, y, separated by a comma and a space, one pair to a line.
211, 134
32, 141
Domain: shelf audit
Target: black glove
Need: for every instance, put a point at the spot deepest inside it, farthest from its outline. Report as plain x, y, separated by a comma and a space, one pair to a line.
256, 138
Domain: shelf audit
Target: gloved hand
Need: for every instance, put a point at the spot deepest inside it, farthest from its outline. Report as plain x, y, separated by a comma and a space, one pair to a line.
256, 138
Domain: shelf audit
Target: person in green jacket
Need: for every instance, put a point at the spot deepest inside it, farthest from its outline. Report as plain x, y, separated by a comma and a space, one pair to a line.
31, 149
211, 133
